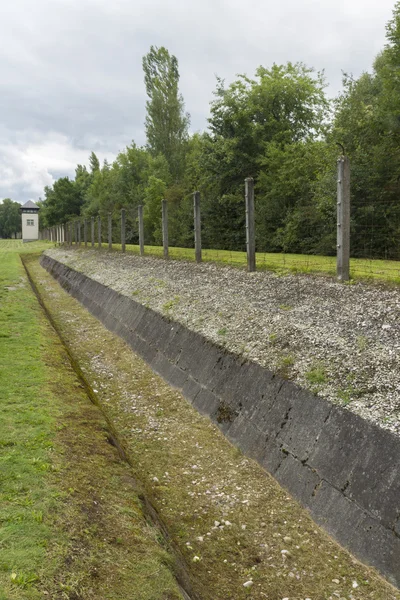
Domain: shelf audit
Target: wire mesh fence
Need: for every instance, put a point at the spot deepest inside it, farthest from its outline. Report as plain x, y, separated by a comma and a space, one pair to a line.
374, 238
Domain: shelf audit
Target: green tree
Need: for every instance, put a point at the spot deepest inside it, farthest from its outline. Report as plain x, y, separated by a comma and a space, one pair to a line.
282, 106
61, 202
10, 218
166, 122
94, 163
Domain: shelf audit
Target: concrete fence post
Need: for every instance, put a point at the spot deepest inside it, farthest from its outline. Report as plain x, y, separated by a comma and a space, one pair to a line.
123, 229
197, 226
85, 232
110, 231
71, 233
92, 231
164, 213
343, 219
99, 231
79, 232
250, 225
141, 230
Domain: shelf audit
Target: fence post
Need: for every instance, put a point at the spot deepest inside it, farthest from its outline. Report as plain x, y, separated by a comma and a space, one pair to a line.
123, 229
250, 226
85, 232
79, 232
99, 231
92, 231
197, 226
164, 212
110, 231
141, 230
343, 219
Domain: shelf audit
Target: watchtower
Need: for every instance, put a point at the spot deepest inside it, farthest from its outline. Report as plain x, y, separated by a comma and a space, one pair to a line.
30, 221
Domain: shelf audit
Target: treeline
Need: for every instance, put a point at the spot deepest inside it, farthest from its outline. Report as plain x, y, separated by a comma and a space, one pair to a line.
278, 127
10, 218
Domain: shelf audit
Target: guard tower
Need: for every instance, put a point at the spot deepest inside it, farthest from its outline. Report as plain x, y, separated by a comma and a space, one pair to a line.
30, 221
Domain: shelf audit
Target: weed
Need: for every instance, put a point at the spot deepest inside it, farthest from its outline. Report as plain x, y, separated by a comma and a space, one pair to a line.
223, 331
168, 306
273, 338
285, 363
316, 375
285, 307
362, 342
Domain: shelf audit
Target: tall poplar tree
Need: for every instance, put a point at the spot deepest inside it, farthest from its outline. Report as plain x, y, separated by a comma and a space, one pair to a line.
166, 121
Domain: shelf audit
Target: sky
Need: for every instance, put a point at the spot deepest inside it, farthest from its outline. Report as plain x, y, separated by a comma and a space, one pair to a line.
71, 78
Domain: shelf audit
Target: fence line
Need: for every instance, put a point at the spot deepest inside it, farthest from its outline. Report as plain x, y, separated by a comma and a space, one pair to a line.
70, 233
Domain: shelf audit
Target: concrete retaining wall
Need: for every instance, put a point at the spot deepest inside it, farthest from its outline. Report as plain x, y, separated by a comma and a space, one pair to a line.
343, 469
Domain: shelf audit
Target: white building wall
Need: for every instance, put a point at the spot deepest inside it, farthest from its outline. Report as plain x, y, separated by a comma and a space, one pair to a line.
30, 232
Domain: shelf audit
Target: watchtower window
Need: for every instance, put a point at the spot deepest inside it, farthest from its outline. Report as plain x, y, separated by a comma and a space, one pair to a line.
30, 222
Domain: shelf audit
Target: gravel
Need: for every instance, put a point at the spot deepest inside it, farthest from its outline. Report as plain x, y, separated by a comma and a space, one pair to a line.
340, 341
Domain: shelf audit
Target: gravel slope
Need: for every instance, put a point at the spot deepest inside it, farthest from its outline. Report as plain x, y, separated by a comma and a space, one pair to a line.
340, 341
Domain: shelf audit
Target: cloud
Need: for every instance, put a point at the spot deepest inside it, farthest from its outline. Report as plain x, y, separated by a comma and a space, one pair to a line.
30, 164
71, 76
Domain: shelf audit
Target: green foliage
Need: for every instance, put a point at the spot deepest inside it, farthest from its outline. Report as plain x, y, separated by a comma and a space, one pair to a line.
153, 194
278, 128
166, 123
63, 200
10, 218
316, 375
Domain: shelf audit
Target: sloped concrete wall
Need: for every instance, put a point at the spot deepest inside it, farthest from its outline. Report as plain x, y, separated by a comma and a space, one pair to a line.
343, 469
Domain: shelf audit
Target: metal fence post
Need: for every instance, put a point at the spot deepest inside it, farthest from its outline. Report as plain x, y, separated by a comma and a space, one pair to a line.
123, 229
164, 211
141, 230
250, 225
197, 226
343, 219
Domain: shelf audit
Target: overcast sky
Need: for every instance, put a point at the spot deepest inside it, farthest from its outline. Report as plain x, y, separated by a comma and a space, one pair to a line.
71, 76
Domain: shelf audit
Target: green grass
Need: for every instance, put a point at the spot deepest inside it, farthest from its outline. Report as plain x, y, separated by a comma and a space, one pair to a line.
26, 429
71, 523
360, 269
316, 375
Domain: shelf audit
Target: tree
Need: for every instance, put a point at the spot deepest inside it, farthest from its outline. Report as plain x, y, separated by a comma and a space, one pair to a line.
62, 201
166, 122
10, 218
94, 163
281, 107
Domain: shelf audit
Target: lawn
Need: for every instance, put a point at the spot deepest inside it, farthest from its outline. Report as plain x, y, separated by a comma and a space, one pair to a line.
71, 523
360, 268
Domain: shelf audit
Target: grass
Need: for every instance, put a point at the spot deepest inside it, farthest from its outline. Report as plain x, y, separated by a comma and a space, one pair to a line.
71, 522
360, 268
195, 477
316, 375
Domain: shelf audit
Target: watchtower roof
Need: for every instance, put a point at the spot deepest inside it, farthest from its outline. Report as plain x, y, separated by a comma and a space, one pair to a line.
29, 204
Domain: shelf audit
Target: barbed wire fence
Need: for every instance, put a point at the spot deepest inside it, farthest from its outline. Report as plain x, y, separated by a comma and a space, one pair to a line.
367, 236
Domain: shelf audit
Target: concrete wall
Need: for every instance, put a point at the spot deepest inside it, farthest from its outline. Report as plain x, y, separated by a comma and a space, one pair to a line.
343, 469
